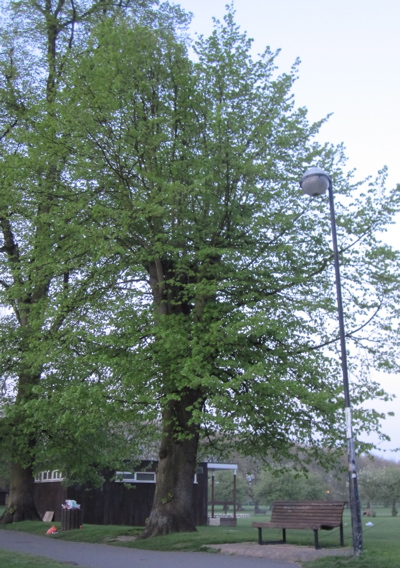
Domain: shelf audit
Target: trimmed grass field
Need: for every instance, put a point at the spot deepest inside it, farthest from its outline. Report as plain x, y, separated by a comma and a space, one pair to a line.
16, 560
381, 541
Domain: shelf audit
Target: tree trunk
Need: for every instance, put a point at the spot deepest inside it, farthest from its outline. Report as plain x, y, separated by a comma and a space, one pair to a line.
21, 505
172, 509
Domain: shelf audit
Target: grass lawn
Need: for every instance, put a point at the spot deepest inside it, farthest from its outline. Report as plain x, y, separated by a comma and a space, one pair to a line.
381, 545
17, 560
381, 542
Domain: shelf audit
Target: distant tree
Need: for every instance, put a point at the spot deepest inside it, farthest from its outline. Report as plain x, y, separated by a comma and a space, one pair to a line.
371, 483
224, 489
390, 487
252, 469
290, 485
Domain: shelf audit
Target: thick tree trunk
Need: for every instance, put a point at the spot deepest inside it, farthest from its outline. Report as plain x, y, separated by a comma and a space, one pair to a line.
172, 509
173, 500
21, 505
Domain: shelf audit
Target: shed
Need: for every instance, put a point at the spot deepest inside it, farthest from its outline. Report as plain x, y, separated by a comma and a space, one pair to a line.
3, 496
127, 501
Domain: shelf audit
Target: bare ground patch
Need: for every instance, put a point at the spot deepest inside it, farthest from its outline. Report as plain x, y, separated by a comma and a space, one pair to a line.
285, 552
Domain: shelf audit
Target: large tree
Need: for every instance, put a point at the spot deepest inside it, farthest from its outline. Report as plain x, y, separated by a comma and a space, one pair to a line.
193, 166
55, 280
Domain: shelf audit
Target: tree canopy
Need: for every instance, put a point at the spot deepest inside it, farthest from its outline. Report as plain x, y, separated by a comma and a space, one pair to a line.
57, 392
171, 268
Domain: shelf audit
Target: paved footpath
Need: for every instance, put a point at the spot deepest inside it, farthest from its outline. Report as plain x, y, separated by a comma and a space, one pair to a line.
108, 556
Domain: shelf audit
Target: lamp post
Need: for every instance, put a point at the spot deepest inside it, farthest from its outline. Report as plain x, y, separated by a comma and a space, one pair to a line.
314, 182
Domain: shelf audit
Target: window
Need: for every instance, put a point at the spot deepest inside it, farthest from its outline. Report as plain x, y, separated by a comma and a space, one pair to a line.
46, 476
145, 476
136, 477
140, 477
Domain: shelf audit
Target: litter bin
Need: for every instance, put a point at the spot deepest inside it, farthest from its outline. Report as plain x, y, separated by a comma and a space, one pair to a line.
71, 519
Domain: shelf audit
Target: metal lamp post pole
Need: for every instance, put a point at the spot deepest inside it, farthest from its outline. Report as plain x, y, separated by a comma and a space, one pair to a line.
323, 181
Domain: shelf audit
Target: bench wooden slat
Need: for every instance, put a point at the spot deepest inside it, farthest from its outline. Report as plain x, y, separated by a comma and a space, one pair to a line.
294, 525
314, 515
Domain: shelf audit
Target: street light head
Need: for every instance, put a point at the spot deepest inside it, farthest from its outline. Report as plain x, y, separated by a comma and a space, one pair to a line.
315, 181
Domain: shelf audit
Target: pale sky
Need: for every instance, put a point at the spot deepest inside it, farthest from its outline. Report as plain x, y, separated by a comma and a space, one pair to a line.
350, 54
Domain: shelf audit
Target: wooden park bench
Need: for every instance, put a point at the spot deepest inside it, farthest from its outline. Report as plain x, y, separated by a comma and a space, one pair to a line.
313, 515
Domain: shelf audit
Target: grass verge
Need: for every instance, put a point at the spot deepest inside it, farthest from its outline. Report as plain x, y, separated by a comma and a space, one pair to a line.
10, 559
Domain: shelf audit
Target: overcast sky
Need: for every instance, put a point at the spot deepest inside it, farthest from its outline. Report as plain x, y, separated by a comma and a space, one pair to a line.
350, 54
